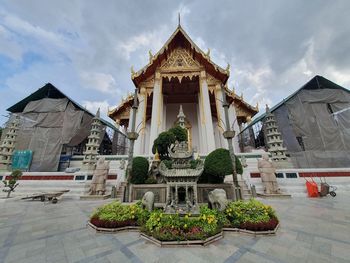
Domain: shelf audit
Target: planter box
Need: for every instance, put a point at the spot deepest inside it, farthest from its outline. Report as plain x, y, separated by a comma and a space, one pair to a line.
114, 230
186, 243
255, 233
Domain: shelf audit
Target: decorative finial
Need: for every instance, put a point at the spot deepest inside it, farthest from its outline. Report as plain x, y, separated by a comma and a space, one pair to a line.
150, 55
228, 67
242, 95
208, 53
132, 71
257, 105
179, 17
98, 113
267, 108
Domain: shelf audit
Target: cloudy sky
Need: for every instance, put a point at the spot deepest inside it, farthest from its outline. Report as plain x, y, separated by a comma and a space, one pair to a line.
86, 48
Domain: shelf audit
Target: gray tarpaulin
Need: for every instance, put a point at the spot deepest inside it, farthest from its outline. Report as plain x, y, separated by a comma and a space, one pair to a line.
46, 125
325, 136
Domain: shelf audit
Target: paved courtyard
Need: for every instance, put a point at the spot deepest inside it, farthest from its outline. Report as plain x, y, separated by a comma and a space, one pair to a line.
312, 230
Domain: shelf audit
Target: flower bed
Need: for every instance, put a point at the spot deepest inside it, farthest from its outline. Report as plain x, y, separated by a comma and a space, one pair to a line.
244, 216
252, 215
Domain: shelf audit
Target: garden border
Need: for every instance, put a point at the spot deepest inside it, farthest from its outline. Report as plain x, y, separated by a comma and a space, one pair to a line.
255, 233
114, 230
185, 243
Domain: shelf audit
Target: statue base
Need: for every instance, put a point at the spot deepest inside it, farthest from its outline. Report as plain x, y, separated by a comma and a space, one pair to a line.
94, 197
281, 195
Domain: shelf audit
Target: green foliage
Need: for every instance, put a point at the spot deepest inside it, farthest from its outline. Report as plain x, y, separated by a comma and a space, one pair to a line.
195, 163
150, 180
162, 143
139, 171
252, 211
11, 184
166, 139
173, 227
217, 165
168, 164
117, 212
179, 133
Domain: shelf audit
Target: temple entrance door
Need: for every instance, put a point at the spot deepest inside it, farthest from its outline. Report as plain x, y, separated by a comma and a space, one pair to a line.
181, 192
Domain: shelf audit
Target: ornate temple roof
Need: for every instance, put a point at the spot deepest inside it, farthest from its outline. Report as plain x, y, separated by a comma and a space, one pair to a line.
180, 38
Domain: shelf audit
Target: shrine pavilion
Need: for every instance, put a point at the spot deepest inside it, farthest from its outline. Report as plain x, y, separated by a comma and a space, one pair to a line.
181, 73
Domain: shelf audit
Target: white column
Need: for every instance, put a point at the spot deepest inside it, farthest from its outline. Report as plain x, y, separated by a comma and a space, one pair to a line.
208, 121
234, 123
140, 122
202, 148
221, 116
156, 119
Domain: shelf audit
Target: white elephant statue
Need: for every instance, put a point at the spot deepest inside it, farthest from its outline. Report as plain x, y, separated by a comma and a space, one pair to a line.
148, 201
217, 199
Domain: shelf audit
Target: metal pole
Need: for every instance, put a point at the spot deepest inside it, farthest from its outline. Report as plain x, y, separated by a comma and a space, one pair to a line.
132, 136
229, 135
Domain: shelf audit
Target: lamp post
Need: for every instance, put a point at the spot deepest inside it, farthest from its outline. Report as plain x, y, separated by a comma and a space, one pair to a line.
229, 135
132, 136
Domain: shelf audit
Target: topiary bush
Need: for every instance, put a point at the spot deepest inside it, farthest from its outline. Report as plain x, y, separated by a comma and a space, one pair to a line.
179, 133
217, 165
139, 170
166, 139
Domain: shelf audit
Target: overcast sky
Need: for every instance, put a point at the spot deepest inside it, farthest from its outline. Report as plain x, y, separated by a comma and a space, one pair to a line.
86, 48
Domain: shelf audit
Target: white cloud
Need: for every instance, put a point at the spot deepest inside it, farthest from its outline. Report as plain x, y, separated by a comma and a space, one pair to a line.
93, 106
152, 40
99, 81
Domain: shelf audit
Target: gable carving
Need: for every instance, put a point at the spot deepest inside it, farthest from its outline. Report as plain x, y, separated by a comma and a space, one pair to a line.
180, 59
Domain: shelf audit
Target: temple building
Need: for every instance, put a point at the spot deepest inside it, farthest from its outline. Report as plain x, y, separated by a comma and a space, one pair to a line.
181, 73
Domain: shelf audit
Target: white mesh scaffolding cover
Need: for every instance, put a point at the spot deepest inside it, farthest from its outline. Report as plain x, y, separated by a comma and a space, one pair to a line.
325, 136
46, 125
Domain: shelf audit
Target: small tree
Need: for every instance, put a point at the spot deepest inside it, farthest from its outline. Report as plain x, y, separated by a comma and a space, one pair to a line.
11, 184
179, 133
166, 139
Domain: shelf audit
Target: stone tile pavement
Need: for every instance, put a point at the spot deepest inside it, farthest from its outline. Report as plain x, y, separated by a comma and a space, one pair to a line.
312, 230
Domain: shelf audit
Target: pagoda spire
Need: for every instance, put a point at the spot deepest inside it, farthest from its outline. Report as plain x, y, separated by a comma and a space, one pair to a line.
93, 144
7, 146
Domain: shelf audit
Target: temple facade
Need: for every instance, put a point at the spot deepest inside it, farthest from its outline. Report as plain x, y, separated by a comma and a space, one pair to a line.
182, 74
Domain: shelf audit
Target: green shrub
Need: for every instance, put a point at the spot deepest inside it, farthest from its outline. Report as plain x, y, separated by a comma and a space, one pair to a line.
179, 133
166, 139
217, 165
162, 143
168, 164
252, 211
139, 170
150, 180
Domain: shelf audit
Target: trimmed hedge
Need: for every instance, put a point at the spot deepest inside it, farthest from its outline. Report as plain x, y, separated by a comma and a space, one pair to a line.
139, 171
217, 165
